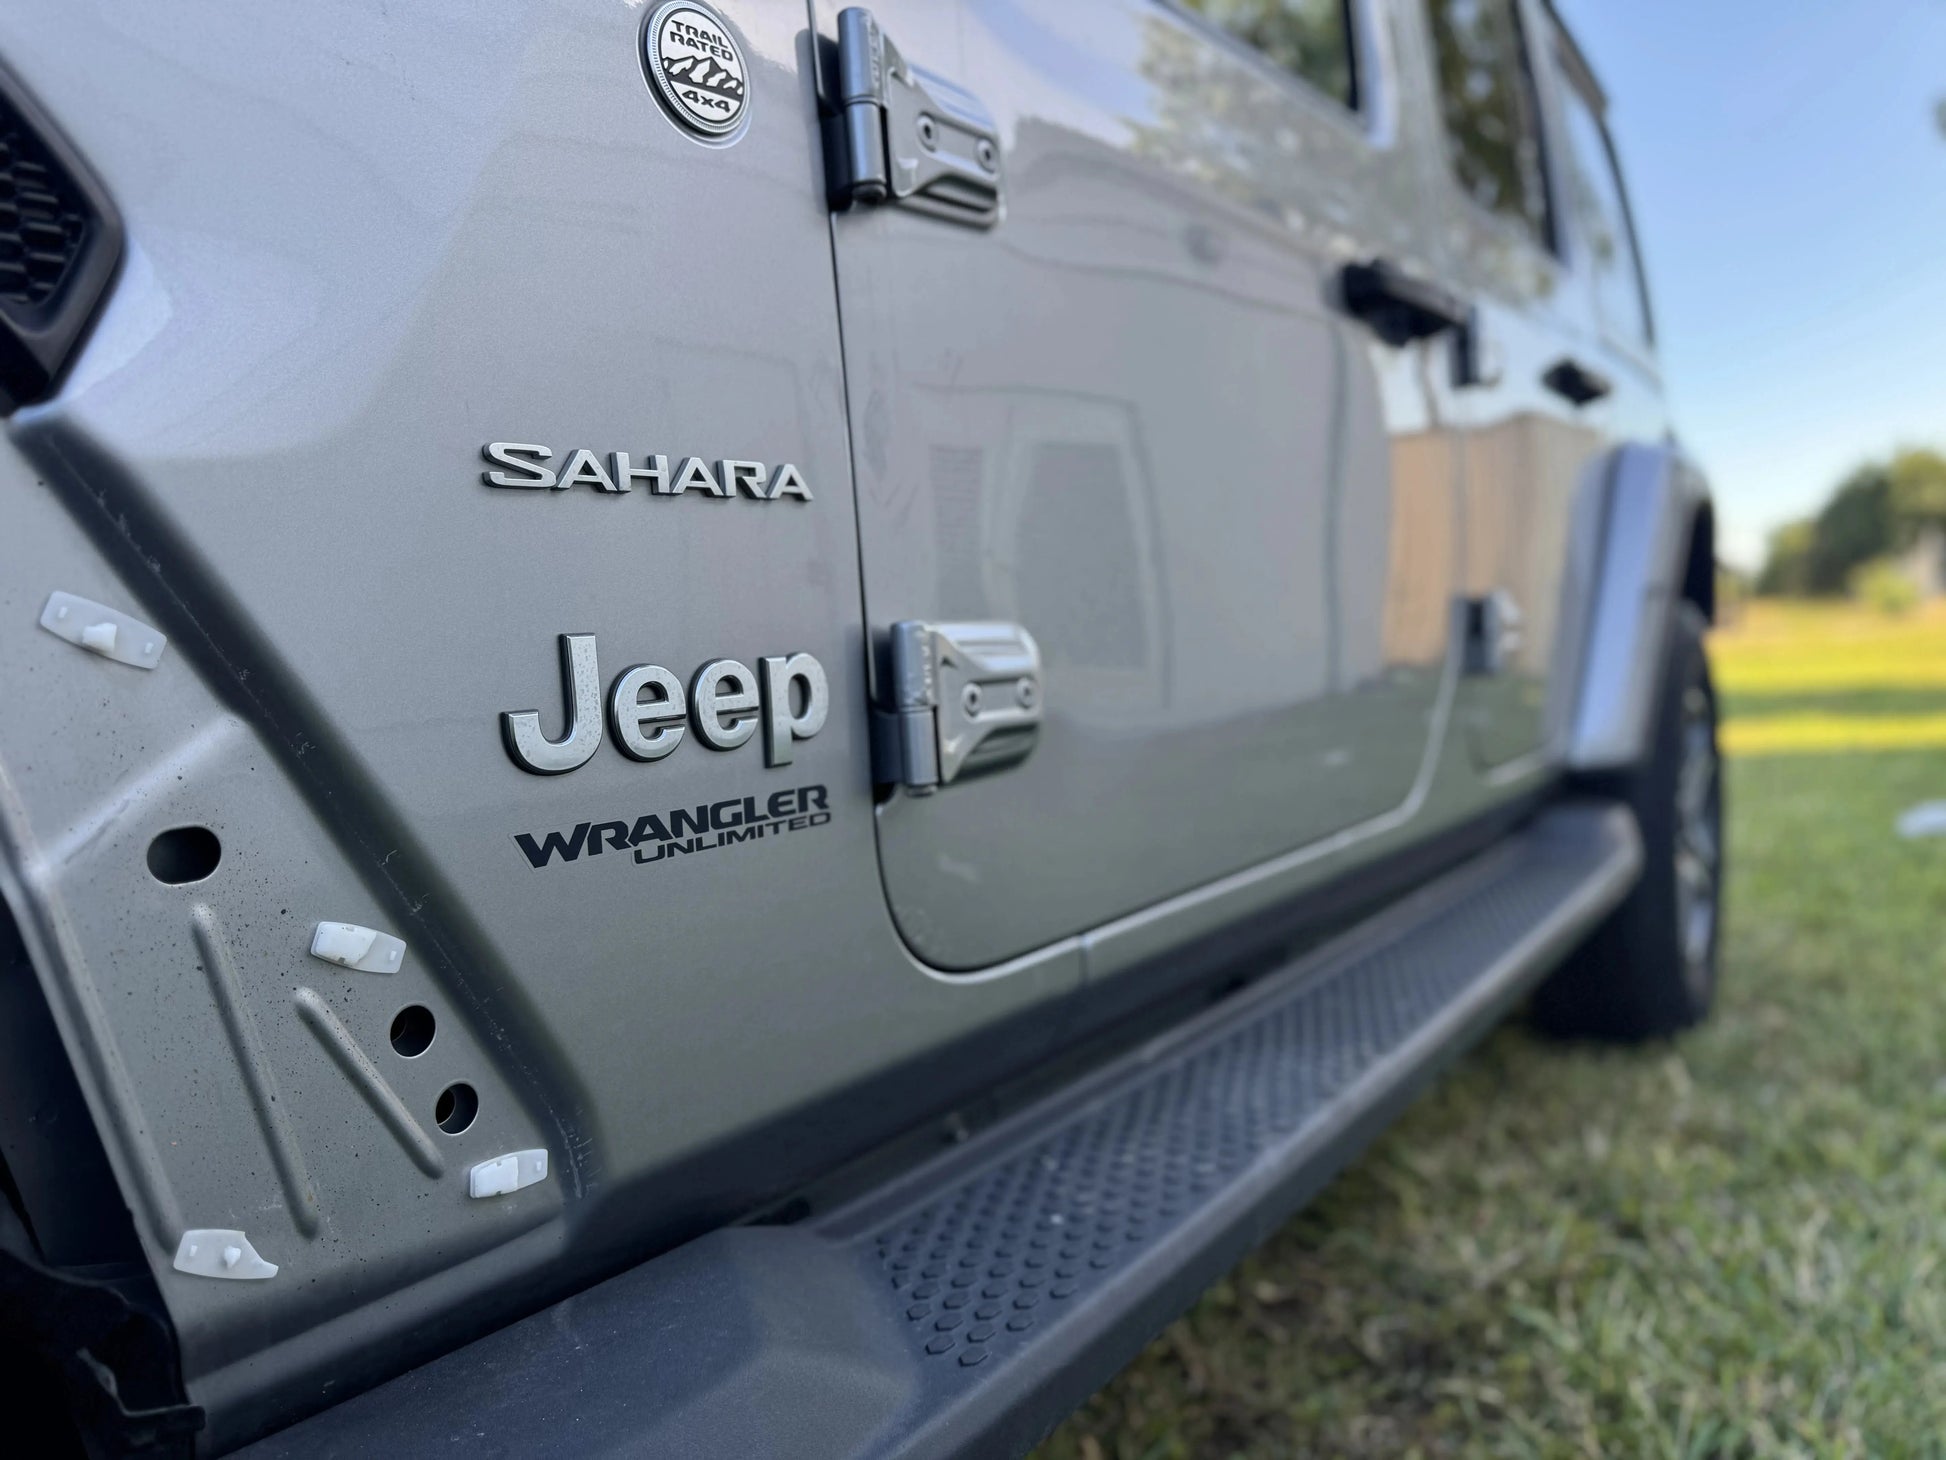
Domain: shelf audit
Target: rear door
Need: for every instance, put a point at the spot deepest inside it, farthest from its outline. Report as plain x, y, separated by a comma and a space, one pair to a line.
1536, 412
1131, 419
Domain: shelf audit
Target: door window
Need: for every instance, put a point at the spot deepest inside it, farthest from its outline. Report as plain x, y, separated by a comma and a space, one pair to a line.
1486, 95
1602, 221
1309, 38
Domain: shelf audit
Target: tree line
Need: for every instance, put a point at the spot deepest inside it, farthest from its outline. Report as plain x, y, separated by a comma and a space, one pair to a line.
1879, 510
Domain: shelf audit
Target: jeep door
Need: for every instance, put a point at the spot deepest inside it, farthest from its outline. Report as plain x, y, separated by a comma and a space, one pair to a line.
1536, 411
1132, 418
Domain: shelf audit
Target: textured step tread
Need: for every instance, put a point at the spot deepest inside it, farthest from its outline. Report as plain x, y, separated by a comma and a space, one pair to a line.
973, 1270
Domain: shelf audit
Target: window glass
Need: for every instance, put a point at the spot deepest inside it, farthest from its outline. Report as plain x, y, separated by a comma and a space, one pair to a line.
1486, 94
1601, 218
1310, 38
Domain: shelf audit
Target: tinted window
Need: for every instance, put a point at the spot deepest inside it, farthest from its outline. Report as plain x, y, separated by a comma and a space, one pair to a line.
1486, 93
1601, 217
1311, 38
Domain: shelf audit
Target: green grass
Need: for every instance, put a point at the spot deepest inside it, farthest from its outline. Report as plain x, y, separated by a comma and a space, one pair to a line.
1729, 1245
1872, 703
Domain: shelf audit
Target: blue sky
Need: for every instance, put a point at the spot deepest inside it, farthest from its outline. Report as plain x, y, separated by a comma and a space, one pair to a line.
1789, 184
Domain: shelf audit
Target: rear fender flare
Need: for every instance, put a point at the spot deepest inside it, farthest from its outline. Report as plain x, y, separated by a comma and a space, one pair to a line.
1655, 548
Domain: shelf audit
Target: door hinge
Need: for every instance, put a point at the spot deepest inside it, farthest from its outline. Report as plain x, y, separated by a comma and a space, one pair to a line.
965, 698
902, 135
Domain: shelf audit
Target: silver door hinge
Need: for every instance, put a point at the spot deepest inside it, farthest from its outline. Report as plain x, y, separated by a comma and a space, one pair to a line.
964, 698
903, 135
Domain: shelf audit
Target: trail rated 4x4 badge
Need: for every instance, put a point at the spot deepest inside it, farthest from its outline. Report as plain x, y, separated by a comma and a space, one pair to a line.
697, 67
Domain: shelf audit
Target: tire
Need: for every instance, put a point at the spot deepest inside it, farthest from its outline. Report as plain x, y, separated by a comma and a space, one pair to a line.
1650, 969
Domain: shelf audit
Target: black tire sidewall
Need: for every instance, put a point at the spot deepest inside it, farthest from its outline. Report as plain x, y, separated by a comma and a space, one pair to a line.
1629, 981
1653, 922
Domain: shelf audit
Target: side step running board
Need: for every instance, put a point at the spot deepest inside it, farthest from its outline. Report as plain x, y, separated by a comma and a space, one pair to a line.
968, 1306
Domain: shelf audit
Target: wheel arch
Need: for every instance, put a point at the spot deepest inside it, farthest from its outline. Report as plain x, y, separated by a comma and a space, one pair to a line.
1655, 546
1699, 572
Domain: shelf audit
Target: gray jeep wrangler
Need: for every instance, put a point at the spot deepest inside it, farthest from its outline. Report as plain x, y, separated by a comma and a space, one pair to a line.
738, 728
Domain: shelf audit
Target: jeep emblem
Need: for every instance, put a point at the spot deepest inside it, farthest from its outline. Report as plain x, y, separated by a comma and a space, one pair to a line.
649, 713
696, 67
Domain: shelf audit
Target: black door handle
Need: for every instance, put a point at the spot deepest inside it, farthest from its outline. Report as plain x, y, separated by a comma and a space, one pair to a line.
1398, 306
1575, 382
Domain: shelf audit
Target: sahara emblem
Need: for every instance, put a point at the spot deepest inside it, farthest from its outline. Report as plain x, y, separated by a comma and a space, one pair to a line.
697, 67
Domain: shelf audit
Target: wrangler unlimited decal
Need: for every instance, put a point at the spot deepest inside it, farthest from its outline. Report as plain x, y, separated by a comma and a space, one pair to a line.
684, 829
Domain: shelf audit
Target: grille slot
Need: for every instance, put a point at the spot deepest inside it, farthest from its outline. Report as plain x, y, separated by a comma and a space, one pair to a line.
43, 217
60, 240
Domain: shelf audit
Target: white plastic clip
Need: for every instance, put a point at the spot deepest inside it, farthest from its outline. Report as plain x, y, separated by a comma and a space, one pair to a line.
350, 946
507, 1173
105, 631
220, 1252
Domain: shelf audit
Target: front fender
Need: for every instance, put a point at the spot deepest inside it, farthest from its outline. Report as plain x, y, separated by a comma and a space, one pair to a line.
1653, 501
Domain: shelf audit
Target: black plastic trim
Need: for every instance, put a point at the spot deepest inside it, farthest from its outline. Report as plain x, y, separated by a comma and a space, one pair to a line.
1399, 305
88, 1361
37, 341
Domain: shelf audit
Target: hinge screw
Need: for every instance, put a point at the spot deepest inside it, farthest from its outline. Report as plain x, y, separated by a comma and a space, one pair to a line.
983, 150
928, 132
969, 699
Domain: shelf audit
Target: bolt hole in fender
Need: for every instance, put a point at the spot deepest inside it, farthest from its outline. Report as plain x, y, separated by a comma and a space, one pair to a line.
413, 1028
184, 854
456, 1108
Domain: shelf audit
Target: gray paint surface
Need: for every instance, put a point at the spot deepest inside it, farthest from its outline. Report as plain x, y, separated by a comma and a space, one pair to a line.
363, 242
1131, 419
